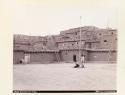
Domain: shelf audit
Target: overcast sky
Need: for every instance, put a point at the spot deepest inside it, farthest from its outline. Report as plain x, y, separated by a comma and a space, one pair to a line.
47, 17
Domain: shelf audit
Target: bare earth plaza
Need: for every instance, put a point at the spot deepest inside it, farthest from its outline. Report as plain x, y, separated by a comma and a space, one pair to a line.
46, 63
63, 76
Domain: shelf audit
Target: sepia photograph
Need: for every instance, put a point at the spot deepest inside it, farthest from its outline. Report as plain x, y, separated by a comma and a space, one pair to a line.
65, 46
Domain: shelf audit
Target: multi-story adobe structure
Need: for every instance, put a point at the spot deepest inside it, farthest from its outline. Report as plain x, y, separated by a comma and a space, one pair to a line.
91, 37
97, 44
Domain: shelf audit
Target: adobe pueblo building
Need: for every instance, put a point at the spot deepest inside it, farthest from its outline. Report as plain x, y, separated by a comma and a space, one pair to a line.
98, 45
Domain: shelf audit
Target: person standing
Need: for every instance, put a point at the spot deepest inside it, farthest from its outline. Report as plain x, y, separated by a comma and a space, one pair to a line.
82, 61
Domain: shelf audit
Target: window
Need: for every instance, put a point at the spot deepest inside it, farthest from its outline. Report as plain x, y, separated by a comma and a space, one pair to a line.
105, 40
100, 34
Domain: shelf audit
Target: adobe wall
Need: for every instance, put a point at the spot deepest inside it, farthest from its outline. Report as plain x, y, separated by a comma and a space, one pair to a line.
42, 57
101, 56
38, 57
67, 55
17, 56
108, 42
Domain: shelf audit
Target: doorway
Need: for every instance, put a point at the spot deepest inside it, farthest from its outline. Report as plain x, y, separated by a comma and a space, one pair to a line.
74, 58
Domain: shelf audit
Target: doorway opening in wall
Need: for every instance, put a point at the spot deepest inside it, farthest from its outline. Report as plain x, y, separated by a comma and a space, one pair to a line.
74, 58
27, 58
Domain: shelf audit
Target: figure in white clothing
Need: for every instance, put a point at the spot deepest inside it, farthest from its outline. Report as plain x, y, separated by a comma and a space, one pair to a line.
82, 61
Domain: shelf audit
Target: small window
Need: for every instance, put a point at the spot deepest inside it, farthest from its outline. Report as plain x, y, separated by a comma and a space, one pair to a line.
112, 33
100, 34
105, 40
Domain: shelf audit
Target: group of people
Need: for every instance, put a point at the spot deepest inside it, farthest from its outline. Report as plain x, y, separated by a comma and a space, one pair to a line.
81, 63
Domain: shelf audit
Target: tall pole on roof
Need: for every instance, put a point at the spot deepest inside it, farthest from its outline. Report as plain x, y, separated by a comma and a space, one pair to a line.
110, 43
80, 37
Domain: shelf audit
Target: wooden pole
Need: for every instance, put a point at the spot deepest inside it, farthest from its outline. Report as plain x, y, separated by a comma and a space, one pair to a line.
80, 38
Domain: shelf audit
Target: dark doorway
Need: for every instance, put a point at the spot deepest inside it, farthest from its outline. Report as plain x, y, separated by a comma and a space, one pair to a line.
74, 58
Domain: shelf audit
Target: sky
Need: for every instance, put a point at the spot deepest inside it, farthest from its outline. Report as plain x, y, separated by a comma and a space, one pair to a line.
49, 17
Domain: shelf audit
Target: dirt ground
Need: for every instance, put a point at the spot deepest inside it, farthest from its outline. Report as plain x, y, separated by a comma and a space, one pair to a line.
63, 76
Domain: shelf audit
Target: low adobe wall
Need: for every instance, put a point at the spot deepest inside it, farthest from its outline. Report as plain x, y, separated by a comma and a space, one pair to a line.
35, 57
67, 55
42, 57
91, 55
103, 55
17, 56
